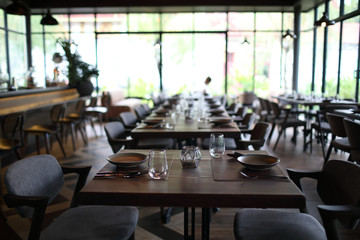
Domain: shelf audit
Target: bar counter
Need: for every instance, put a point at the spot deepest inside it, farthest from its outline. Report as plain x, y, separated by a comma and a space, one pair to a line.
24, 100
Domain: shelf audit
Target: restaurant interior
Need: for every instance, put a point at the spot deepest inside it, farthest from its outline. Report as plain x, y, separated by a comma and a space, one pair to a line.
179, 120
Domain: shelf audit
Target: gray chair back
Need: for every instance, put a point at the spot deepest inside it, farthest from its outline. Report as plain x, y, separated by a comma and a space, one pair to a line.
128, 119
352, 129
39, 175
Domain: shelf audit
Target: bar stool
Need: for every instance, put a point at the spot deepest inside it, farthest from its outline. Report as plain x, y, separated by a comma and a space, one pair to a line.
12, 134
74, 122
53, 129
95, 113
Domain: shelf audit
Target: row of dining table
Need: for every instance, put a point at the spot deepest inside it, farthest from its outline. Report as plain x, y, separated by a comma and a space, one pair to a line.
215, 183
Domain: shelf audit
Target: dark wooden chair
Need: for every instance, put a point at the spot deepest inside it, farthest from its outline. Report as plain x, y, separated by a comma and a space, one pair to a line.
258, 136
94, 113
12, 134
118, 139
44, 179
352, 129
338, 188
48, 130
338, 134
75, 122
283, 119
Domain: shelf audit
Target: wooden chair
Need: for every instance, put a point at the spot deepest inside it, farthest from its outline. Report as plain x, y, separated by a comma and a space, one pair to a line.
117, 138
75, 122
258, 136
283, 119
337, 186
93, 113
48, 130
352, 129
12, 134
339, 136
44, 179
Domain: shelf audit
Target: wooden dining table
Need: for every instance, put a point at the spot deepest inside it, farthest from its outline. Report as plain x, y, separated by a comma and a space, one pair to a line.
214, 183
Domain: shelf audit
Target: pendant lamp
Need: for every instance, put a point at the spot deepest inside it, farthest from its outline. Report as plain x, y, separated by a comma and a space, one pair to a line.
245, 41
288, 35
48, 19
17, 8
324, 21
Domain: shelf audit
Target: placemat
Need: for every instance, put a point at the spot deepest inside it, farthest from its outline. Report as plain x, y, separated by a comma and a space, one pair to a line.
228, 169
141, 170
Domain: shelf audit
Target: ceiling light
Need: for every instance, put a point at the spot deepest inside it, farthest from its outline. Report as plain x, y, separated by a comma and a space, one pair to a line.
288, 35
48, 19
324, 21
17, 8
245, 41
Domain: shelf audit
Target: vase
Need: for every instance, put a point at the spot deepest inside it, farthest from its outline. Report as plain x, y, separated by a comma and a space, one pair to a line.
85, 88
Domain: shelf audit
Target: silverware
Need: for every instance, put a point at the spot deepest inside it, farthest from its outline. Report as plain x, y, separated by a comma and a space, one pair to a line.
116, 174
235, 154
263, 176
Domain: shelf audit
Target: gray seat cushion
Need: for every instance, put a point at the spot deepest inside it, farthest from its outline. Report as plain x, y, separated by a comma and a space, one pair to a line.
261, 224
93, 222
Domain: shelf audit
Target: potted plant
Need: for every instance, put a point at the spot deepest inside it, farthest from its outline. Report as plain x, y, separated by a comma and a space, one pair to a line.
78, 72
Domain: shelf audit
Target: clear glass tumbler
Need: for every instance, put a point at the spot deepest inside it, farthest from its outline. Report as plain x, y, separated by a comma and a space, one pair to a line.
217, 145
158, 166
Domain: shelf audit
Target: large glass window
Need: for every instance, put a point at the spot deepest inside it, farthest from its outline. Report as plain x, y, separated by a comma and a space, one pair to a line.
332, 59
350, 6
111, 22
306, 63
349, 57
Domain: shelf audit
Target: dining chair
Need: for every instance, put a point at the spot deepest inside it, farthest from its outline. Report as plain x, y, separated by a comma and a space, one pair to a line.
50, 130
339, 139
140, 113
94, 113
34, 182
12, 134
337, 186
118, 139
352, 129
258, 136
75, 122
248, 121
129, 120
283, 119
322, 130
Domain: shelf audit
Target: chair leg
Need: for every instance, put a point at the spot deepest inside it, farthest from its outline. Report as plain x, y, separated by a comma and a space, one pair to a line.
46, 139
277, 140
328, 153
271, 133
37, 144
60, 144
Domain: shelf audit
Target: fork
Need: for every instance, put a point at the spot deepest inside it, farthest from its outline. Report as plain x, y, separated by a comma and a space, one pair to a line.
263, 176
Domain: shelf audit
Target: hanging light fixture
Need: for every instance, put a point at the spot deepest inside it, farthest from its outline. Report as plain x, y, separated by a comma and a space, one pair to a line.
48, 19
17, 8
245, 41
324, 21
288, 35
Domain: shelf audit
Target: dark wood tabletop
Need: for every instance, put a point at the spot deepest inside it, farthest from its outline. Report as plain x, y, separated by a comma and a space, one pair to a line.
198, 187
306, 101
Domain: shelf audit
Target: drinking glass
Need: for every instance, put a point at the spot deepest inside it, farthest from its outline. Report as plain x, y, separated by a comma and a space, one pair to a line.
158, 166
190, 156
217, 145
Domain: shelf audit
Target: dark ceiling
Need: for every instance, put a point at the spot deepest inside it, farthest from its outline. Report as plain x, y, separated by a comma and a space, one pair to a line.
83, 6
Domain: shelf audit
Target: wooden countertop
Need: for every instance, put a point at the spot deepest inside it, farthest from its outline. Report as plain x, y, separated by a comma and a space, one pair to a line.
22, 103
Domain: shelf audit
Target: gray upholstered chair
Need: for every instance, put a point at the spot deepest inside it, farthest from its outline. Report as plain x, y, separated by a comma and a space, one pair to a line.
129, 120
338, 188
34, 182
